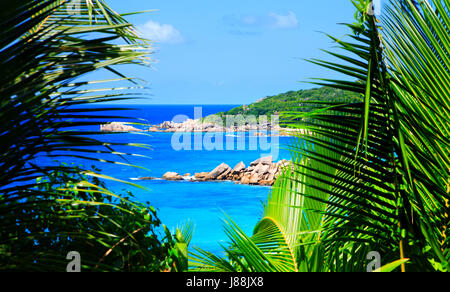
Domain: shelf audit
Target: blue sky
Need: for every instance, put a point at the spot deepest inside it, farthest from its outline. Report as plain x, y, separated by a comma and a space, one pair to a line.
234, 52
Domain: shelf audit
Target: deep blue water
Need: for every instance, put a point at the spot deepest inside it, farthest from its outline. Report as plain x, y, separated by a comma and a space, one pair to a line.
202, 203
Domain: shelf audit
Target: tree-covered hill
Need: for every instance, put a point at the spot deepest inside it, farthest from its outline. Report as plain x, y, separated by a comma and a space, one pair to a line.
290, 101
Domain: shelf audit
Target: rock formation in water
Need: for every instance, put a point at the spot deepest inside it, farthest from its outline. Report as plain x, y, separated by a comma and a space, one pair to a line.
262, 172
194, 126
118, 127
172, 176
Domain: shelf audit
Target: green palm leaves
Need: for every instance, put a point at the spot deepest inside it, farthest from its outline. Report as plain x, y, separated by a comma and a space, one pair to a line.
417, 47
46, 211
370, 176
42, 52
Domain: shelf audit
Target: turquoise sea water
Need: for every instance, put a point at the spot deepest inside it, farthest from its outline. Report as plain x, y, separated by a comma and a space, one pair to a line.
203, 203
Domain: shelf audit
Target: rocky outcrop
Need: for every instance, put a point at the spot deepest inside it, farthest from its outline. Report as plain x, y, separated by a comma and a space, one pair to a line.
201, 175
218, 172
172, 176
201, 126
153, 129
118, 127
263, 160
262, 172
238, 168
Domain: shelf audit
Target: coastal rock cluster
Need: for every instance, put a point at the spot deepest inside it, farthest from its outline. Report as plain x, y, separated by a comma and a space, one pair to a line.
118, 127
262, 172
200, 126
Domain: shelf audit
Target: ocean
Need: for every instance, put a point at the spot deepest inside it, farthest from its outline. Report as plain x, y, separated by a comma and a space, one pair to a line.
202, 203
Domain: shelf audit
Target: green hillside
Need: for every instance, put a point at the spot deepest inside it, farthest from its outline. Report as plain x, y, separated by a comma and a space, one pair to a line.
289, 101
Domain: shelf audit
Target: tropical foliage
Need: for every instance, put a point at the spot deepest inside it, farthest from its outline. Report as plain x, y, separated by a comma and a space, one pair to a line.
368, 176
289, 101
47, 211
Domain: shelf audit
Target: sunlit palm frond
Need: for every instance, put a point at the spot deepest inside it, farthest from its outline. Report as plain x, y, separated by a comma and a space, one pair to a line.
370, 175
417, 48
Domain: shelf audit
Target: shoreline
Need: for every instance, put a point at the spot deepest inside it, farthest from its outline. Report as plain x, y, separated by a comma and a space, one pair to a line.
197, 126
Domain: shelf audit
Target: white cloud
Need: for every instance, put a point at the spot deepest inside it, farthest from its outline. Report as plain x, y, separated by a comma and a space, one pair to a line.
284, 21
252, 24
161, 33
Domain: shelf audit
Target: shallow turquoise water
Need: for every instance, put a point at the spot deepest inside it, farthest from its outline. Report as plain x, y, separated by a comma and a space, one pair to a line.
205, 203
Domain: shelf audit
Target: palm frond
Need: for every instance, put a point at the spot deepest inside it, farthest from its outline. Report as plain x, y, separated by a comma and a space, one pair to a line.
46, 46
417, 48
370, 175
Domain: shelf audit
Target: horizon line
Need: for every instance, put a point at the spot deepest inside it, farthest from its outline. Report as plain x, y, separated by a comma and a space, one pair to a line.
168, 104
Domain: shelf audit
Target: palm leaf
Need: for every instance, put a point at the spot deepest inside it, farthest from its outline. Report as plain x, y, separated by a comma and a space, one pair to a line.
370, 175
417, 42
45, 48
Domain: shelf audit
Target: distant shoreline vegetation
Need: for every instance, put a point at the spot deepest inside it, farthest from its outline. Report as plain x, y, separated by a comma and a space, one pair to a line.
266, 114
289, 101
